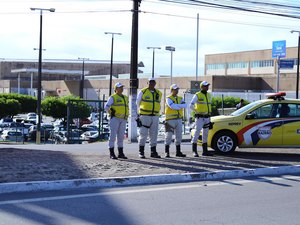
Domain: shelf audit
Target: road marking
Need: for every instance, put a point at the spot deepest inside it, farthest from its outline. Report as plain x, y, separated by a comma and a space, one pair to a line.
152, 189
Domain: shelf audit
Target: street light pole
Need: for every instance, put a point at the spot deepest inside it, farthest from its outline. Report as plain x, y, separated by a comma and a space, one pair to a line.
81, 84
153, 57
39, 96
171, 49
111, 58
297, 79
31, 80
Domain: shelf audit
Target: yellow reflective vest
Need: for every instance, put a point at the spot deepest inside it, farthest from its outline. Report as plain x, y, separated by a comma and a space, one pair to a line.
120, 106
203, 104
150, 102
172, 114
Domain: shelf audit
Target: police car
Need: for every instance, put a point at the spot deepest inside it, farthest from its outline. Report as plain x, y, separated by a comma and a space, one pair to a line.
272, 122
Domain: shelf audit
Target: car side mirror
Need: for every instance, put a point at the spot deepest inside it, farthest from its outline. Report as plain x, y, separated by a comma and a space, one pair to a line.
250, 116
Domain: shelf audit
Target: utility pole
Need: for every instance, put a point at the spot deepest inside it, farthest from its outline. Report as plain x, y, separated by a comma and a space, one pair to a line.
134, 82
81, 83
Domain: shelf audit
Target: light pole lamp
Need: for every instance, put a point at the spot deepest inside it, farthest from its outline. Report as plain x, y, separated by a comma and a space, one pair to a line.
171, 49
81, 83
39, 87
153, 57
111, 58
297, 79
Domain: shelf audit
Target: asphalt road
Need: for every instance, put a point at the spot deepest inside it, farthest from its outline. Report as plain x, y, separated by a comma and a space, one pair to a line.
261, 200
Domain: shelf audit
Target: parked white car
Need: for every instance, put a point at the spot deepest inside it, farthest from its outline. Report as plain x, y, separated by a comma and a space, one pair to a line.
12, 135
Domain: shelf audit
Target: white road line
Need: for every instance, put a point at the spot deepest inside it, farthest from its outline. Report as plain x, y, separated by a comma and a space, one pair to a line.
152, 189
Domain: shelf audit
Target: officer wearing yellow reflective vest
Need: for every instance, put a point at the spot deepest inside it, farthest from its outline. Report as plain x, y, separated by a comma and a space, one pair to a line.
201, 104
117, 107
148, 106
173, 124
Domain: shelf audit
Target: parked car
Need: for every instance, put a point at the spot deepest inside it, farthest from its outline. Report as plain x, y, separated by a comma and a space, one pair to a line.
32, 133
6, 120
74, 137
31, 119
12, 135
272, 122
31, 114
22, 127
47, 126
90, 136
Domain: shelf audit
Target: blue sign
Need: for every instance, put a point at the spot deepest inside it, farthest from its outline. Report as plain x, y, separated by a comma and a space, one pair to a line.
286, 64
279, 49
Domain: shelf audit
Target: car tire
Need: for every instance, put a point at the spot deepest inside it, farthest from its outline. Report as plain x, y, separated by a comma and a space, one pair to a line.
224, 142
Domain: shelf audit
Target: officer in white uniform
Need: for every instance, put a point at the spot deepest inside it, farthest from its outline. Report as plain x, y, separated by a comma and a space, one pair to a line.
201, 104
117, 107
174, 114
148, 107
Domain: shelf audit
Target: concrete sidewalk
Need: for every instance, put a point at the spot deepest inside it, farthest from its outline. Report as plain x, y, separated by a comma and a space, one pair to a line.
50, 167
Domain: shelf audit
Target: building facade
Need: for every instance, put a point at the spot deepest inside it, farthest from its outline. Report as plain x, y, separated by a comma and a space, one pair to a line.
248, 63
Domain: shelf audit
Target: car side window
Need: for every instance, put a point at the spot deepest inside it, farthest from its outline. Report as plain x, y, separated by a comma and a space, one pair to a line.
284, 110
293, 110
265, 111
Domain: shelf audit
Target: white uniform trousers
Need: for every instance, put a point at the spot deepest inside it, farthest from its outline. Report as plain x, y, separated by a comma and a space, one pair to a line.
200, 122
152, 131
117, 130
176, 125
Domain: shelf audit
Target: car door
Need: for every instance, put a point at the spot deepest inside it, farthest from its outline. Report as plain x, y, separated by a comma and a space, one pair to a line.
291, 127
262, 127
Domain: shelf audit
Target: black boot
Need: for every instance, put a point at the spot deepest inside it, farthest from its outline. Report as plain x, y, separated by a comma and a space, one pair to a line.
195, 150
142, 152
167, 151
178, 152
112, 153
205, 151
154, 153
121, 154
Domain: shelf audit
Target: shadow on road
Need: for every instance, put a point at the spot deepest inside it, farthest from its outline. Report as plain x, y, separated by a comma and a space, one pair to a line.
18, 164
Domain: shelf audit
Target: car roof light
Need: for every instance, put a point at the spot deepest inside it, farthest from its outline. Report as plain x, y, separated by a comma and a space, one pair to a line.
276, 96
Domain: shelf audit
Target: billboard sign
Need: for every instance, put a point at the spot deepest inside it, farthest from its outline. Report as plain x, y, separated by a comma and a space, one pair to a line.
279, 49
286, 64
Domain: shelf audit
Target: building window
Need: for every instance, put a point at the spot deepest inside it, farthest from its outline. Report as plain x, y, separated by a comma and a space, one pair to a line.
262, 63
219, 66
237, 65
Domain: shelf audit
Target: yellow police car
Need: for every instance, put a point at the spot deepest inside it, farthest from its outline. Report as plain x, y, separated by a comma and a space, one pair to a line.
272, 122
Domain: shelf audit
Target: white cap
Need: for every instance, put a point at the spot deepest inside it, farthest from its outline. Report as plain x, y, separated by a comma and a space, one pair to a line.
204, 83
117, 85
174, 87
151, 79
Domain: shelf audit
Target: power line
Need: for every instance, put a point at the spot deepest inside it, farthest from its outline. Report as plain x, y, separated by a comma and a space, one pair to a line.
250, 7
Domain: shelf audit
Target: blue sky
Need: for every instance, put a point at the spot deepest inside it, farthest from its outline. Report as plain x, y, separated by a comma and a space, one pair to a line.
77, 29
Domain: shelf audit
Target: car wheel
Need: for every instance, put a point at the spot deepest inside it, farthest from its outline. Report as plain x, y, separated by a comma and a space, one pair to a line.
224, 142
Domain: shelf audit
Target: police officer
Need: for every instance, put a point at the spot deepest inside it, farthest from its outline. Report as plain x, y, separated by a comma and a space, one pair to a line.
148, 106
117, 107
173, 124
201, 104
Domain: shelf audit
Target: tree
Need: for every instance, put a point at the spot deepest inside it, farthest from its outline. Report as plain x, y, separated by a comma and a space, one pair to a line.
9, 107
57, 107
27, 103
54, 107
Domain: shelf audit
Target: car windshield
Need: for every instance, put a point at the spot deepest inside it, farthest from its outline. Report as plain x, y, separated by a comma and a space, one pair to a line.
244, 109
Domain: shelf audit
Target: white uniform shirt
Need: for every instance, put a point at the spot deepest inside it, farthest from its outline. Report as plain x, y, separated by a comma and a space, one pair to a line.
108, 104
174, 105
193, 102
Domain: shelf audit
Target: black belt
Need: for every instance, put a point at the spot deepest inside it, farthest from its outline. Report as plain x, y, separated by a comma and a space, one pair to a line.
202, 116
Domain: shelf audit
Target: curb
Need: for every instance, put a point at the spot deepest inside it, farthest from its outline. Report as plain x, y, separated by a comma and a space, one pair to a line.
143, 180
